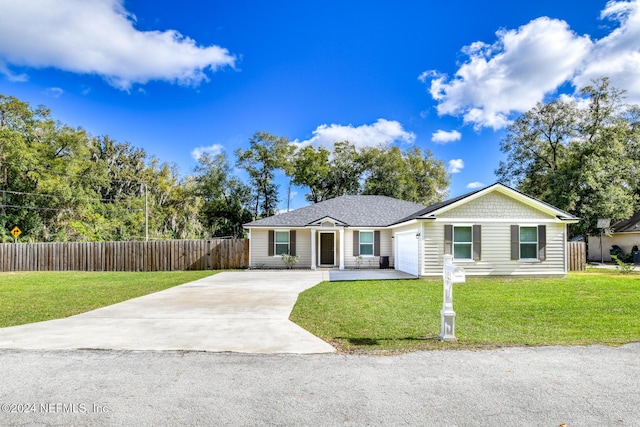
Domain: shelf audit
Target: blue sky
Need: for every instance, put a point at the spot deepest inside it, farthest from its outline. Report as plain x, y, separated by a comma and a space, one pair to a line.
178, 78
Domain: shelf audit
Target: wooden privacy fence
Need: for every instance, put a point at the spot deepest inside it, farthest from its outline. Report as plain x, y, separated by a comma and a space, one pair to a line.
166, 255
577, 256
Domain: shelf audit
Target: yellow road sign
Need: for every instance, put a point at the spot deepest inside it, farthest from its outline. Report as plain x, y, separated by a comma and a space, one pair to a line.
15, 232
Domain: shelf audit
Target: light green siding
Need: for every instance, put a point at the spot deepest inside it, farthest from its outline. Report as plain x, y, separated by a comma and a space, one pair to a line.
386, 249
494, 205
495, 251
495, 212
260, 252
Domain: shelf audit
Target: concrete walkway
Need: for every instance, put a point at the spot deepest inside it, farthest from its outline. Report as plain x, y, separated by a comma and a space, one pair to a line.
383, 274
244, 312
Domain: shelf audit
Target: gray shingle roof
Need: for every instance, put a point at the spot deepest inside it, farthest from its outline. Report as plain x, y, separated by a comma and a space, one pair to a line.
631, 225
354, 211
369, 211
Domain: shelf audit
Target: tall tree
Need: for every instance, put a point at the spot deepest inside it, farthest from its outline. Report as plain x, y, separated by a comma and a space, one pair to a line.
329, 174
428, 180
59, 183
345, 170
580, 158
311, 169
225, 198
407, 175
266, 155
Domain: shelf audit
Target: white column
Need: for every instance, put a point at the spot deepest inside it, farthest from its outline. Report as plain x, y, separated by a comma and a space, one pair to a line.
341, 267
313, 249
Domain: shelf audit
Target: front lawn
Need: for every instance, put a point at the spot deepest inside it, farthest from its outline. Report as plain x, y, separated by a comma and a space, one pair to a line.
28, 297
399, 315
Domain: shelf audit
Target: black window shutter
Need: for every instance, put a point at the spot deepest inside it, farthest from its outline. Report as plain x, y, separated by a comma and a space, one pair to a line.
542, 242
271, 239
448, 239
292, 242
515, 242
477, 243
376, 243
356, 243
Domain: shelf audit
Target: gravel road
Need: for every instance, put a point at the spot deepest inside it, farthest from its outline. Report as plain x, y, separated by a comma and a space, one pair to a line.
547, 386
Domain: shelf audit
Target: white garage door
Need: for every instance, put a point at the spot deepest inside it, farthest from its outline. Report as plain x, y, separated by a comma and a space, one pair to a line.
407, 252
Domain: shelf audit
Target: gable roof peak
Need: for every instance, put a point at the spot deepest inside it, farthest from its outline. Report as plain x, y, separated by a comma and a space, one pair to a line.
500, 187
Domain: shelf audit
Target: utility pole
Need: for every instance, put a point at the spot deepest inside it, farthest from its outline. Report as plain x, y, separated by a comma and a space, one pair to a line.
146, 213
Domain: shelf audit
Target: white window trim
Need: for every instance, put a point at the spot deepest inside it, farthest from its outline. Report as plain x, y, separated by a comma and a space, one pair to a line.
275, 242
373, 243
528, 260
453, 243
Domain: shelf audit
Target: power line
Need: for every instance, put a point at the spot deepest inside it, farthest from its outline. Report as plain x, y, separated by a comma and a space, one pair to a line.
54, 196
66, 209
34, 207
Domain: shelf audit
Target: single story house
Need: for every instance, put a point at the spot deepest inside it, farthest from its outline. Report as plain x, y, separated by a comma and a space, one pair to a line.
625, 234
491, 231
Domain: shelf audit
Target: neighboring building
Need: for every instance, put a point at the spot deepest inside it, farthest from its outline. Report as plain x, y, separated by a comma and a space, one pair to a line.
625, 234
492, 231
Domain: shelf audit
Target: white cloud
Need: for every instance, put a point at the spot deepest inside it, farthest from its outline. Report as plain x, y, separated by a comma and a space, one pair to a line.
510, 75
475, 184
98, 37
443, 137
382, 132
455, 165
212, 150
10, 75
55, 92
426, 75
524, 65
617, 55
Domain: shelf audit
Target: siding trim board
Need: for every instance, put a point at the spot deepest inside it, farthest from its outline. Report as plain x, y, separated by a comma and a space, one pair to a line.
495, 220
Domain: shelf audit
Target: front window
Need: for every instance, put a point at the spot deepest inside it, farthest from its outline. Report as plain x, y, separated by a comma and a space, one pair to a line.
366, 243
462, 242
282, 242
528, 242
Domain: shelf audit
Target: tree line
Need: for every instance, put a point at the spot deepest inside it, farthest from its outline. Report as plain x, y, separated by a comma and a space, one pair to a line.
580, 154
59, 183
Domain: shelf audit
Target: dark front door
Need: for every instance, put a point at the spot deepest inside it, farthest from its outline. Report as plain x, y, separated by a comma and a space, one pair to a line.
326, 249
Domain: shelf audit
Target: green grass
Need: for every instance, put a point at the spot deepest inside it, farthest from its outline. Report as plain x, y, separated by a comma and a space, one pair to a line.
28, 297
401, 315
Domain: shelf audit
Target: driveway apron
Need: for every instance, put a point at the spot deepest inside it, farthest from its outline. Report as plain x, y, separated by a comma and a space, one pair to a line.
246, 312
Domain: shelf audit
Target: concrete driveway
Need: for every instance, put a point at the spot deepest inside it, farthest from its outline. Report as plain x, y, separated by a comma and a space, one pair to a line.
243, 312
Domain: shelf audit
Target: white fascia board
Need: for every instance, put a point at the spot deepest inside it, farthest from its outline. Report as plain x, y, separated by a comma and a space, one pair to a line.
403, 224
276, 227
508, 192
335, 222
497, 220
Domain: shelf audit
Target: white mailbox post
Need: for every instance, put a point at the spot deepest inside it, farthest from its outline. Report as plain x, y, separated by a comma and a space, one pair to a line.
451, 274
